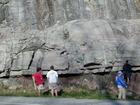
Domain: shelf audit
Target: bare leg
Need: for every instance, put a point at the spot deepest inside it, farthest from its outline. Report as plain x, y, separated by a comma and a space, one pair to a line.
128, 81
56, 93
52, 92
38, 93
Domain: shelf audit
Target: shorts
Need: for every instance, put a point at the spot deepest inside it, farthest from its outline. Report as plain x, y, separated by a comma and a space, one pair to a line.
53, 86
127, 74
40, 87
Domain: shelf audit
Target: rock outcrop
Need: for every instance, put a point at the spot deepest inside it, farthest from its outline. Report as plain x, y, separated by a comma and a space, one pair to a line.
79, 46
79, 37
76, 36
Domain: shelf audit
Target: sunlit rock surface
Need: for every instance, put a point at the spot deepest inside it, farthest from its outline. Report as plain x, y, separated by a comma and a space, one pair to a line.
76, 36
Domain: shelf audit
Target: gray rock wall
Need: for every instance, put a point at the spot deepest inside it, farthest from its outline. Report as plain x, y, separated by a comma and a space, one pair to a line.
76, 36
79, 46
41, 14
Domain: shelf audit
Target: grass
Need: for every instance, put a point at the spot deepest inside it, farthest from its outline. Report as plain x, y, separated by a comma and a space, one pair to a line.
27, 92
79, 93
86, 94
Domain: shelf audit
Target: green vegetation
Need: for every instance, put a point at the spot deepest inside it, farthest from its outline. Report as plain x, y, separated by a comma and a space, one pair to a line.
66, 93
27, 92
87, 94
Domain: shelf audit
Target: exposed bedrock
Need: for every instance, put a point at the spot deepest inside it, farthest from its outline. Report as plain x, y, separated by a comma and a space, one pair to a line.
81, 38
79, 46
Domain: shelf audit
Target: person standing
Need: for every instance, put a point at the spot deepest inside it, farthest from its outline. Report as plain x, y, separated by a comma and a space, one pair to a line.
38, 79
127, 71
121, 85
52, 78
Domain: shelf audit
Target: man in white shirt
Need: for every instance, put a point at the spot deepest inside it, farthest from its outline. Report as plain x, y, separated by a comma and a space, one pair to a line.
52, 77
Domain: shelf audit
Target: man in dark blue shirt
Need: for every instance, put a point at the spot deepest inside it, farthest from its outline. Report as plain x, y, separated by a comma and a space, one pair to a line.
121, 84
127, 71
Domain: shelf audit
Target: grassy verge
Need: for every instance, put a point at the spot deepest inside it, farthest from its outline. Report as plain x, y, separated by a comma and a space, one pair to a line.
27, 92
87, 94
80, 93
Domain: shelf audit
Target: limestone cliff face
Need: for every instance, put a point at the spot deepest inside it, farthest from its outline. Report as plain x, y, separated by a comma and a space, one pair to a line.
76, 36
41, 14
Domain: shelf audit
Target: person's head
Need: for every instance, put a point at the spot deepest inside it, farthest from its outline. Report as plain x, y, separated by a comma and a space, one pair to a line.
52, 67
38, 69
120, 72
126, 61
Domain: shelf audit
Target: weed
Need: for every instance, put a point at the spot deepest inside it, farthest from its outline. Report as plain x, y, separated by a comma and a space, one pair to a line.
79, 93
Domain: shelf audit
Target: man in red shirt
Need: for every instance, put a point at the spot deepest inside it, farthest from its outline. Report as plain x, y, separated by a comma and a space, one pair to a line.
38, 79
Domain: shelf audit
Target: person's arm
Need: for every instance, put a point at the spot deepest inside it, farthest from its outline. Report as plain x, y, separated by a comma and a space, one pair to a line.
47, 77
56, 75
122, 82
56, 79
41, 77
33, 78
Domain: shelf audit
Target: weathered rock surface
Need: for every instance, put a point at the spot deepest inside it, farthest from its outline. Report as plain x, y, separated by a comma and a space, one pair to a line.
79, 46
41, 14
76, 36
82, 36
